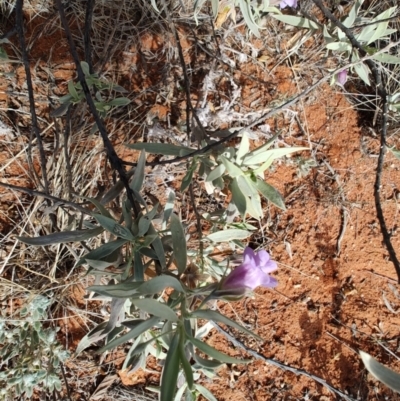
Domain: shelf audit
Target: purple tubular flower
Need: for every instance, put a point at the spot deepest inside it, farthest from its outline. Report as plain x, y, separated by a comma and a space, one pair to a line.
341, 78
288, 3
252, 273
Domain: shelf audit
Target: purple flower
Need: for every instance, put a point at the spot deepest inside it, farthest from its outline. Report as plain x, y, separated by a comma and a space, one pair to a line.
341, 77
252, 273
288, 3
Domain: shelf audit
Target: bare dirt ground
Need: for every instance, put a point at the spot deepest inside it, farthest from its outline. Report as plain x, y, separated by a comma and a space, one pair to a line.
337, 287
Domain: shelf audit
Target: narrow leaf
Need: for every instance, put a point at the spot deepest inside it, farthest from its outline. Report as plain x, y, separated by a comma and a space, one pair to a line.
168, 209
137, 331
232, 169
213, 353
187, 368
93, 336
272, 153
158, 247
187, 179
165, 149
156, 308
205, 392
270, 193
121, 290
62, 237
170, 372
178, 243
113, 227
99, 206
381, 372
218, 317
238, 197
138, 267
299, 22
138, 177
119, 101
103, 251
160, 283
228, 235
216, 173
207, 363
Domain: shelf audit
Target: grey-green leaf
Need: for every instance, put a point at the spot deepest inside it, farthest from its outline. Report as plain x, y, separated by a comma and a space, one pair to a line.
187, 368
213, 353
153, 307
178, 243
207, 363
238, 197
216, 173
396, 153
103, 251
273, 154
121, 290
270, 193
137, 331
171, 370
93, 336
138, 177
113, 227
228, 235
119, 101
205, 392
218, 317
160, 283
62, 237
165, 149
187, 179
381, 372
299, 22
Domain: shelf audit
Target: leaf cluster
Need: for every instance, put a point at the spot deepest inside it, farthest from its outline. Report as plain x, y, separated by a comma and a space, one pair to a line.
76, 95
30, 354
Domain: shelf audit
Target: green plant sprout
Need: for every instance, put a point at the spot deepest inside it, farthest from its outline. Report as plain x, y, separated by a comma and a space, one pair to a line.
30, 355
75, 94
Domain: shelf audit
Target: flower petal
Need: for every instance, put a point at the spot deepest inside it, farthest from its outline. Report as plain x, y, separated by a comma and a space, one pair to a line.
269, 267
262, 258
249, 255
273, 282
245, 275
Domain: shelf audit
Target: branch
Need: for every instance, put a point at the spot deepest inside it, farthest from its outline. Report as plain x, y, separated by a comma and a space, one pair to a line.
383, 95
19, 20
115, 161
32, 192
281, 365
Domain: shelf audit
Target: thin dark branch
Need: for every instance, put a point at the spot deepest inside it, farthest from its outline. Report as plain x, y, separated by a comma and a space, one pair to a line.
189, 107
234, 134
19, 20
392, 18
9, 34
66, 382
383, 95
281, 365
60, 201
115, 161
